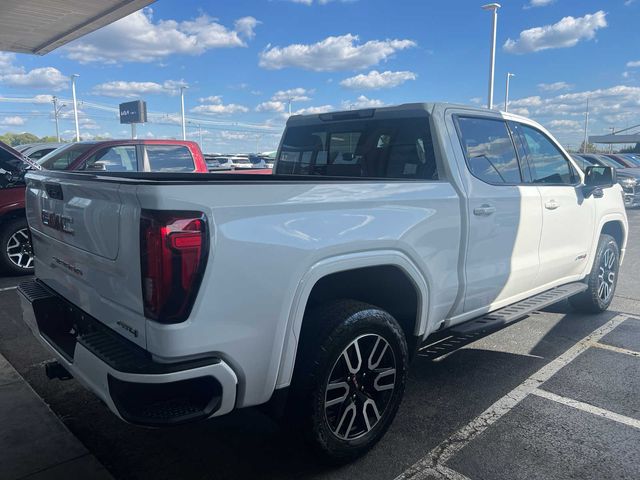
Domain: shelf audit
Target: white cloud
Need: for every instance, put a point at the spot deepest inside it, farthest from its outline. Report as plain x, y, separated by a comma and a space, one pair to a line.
13, 121
555, 86
566, 33
138, 38
362, 102
281, 98
566, 125
375, 80
14, 76
534, 101
271, 106
539, 3
122, 89
213, 105
295, 94
314, 110
332, 54
633, 64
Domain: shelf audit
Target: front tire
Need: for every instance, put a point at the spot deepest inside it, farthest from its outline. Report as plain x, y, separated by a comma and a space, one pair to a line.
602, 280
16, 251
349, 378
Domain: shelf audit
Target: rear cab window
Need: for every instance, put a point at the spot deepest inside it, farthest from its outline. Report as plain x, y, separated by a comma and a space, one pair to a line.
399, 148
168, 158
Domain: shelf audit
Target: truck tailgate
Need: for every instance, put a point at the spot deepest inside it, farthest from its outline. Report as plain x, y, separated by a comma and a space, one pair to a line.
82, 232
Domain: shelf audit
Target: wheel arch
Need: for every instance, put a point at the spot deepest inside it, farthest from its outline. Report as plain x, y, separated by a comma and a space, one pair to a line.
336, 267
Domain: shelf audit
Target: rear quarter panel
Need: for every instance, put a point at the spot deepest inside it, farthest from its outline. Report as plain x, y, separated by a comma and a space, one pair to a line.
268, 236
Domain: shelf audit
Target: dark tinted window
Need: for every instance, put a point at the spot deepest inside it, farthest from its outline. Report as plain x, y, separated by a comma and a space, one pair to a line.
169, 158
398, 148
61, 158
122, 158
489, 149
546, 161
9, 162
38, 154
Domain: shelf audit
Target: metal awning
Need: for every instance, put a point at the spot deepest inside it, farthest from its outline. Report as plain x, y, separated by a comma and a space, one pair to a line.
635, 138
40, 26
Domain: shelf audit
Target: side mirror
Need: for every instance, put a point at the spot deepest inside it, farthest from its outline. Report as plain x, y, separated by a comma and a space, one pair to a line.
596, 178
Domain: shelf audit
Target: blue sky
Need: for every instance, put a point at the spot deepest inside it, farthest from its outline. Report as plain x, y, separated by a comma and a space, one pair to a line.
244, 60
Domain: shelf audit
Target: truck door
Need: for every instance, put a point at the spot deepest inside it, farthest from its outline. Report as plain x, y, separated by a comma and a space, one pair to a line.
504, 215
567, 217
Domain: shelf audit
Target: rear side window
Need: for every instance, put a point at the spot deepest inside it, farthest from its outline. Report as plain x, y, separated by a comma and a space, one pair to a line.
489, 150
38, 154
395, 148
169, 158
122, 158
546, 161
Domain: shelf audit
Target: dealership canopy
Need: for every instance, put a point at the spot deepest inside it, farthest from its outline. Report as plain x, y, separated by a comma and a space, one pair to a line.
40, 26
627, 135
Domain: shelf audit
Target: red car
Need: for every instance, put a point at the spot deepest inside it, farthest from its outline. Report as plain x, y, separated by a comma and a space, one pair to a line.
16, 256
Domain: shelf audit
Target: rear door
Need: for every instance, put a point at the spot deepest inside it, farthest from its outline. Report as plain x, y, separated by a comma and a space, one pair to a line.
568, 217
505, 217
85, 239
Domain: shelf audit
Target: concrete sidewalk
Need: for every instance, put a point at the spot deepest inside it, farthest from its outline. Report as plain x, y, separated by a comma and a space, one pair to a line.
34, 443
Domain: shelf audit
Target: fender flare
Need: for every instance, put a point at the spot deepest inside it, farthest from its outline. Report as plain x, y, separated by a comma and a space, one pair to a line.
608, 218
338, 264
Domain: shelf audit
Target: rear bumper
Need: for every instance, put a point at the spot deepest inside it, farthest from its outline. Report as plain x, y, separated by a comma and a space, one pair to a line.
134, 386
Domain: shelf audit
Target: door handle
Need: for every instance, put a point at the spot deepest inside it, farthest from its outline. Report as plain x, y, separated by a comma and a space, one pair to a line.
551, 205
484, 210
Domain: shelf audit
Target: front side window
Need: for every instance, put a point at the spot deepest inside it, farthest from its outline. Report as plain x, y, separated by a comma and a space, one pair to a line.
489, 150
546, 161
114, 159
38, 154
169, 158
398, 148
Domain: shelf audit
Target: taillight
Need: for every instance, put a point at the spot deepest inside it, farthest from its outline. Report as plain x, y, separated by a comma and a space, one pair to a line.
173, 247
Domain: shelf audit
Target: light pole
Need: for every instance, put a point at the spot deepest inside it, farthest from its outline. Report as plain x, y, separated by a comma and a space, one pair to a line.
586, 128
506, 96
75, 104
184, 125
493, 7
289, 100
56, 112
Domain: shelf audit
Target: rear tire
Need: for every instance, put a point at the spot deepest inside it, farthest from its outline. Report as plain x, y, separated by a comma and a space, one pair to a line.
16, 251
349, 378
602, 280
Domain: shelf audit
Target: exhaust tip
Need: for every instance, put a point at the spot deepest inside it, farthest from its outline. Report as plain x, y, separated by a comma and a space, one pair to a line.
56, 371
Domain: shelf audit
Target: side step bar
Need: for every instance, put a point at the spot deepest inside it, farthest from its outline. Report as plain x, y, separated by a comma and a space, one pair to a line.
510, 314
446, 341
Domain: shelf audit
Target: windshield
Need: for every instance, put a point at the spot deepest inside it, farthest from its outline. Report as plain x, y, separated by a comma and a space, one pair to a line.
61, 158
609, 162
633, 159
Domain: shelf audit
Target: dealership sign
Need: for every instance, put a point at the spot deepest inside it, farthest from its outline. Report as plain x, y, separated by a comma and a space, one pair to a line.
133, 112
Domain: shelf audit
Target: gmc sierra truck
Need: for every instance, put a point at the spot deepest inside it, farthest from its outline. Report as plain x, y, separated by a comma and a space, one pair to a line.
177, 297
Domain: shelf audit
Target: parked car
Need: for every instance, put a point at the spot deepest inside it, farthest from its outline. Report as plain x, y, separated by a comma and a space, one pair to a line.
16, 255
216, 163
622, 160
378, 228
257, 162
240, 161
39, 150
128, 156
269, 158
628, 178
634, 159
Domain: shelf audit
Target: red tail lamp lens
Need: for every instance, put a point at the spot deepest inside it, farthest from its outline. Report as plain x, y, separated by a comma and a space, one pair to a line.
174, 246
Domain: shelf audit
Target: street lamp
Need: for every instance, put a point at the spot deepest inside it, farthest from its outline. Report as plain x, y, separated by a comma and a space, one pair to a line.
56, 113
506, 96
75, 104
493, 7
184, 125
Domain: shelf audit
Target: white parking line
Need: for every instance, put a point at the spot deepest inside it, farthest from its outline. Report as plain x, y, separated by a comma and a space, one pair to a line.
604, 346
6, 289
586, 407
432, 464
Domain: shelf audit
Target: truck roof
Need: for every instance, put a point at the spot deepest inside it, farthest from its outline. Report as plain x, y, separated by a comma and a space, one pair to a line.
403, 110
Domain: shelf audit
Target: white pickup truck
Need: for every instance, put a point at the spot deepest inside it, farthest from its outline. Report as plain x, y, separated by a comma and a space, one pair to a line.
182, 297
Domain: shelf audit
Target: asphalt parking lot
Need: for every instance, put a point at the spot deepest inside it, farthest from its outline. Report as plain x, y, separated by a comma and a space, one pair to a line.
553, 396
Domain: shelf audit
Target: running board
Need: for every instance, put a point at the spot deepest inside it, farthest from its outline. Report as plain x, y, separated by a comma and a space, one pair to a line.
505, 316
